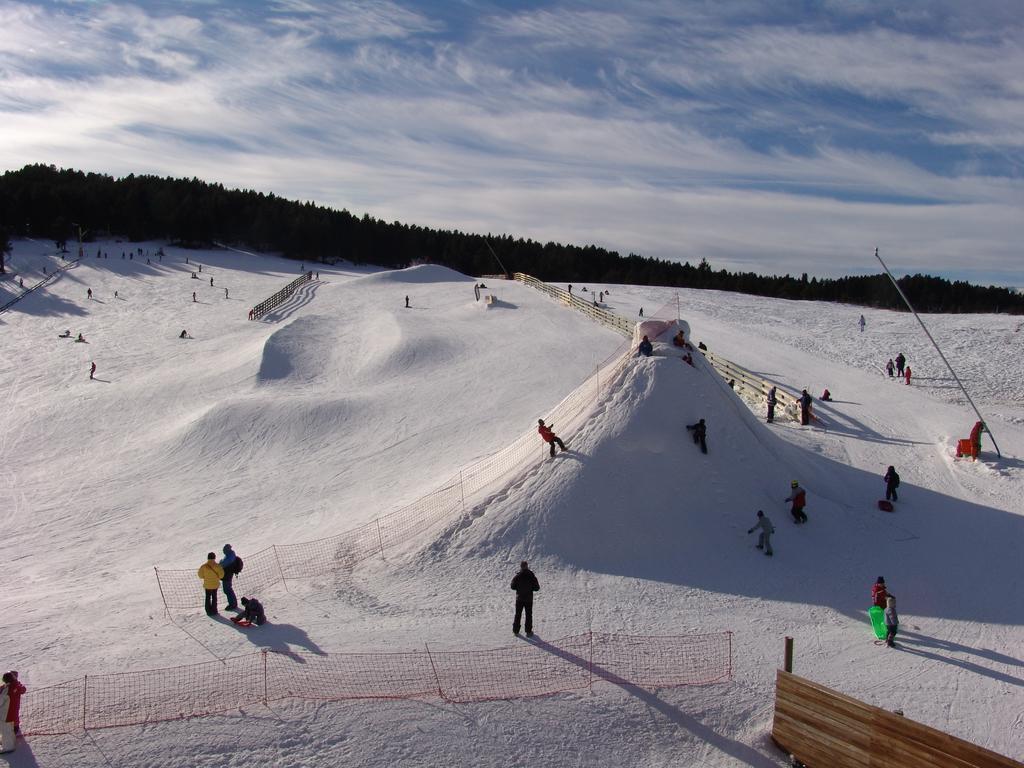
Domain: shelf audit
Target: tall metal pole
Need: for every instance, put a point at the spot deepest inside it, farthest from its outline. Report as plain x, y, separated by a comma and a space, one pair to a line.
932, 340
496, 257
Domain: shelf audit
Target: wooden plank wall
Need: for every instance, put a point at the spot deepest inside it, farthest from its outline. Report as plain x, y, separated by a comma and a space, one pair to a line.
825, 729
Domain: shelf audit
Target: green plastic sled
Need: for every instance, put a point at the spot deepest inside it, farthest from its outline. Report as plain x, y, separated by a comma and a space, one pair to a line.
878, 621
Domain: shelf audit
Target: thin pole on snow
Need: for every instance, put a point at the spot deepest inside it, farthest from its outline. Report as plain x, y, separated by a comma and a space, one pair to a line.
487, 243
934, 344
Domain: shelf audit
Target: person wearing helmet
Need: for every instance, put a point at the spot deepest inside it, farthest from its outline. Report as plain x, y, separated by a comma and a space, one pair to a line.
798, 499
544, 430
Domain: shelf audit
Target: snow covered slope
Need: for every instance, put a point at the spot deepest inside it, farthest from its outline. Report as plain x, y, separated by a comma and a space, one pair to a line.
344, 405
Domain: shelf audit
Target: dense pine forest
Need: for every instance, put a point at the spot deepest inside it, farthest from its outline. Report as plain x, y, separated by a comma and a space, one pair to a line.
45, 202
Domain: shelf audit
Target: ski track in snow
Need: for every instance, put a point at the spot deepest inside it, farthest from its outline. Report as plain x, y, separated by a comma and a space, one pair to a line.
343, 405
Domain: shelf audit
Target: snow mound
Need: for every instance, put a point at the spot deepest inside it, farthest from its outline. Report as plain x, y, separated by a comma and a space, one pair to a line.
423, 273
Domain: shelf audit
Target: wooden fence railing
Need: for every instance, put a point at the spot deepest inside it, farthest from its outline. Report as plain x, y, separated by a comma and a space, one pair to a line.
279, 298
825, 729
589, 308
753, 386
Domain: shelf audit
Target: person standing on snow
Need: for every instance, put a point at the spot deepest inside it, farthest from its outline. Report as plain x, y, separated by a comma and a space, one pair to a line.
879, 593
764, 539
906, 375
772, 401
700, 433
805, 408
8, 738
92, 369
544, 430
231, 565
798, 499
11, 714
525, 584
890, 367
892, 482
211, 574
862, 323
406, 302
900, 362
892, 621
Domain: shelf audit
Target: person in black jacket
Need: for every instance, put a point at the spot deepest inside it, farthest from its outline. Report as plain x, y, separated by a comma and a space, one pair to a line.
892, 482
700, 434
525, 584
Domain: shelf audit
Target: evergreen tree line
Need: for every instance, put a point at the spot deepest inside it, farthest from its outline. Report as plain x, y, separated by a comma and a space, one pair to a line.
45, 202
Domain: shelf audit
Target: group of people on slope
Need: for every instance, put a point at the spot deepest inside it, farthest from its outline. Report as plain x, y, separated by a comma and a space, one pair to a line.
10, 710
216, 575
899, 368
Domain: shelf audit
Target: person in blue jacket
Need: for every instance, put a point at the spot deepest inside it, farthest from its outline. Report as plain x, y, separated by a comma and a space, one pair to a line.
229, 563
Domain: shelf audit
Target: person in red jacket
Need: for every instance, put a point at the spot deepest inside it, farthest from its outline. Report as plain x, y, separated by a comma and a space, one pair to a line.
10, 694
879, 593
544, 430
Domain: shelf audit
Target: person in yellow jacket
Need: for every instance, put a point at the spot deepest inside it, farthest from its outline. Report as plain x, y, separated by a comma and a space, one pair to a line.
211, 573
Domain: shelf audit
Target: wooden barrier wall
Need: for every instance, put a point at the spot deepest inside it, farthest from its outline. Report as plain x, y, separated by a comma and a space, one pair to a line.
825, 729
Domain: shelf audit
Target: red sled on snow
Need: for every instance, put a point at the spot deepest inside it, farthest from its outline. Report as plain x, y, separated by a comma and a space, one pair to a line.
240, 621
885, 506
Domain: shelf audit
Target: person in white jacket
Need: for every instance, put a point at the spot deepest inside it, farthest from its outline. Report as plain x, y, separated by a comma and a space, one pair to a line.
8, 739
764, 540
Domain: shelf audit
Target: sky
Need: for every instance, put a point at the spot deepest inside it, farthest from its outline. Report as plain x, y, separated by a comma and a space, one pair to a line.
777, 137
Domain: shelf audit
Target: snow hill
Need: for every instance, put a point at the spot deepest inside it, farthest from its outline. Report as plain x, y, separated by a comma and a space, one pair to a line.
343, 405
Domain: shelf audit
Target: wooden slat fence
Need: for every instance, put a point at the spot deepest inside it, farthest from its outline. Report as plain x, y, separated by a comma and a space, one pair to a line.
826, 729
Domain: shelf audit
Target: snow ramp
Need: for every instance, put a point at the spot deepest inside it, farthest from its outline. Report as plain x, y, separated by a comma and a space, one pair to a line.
636, 497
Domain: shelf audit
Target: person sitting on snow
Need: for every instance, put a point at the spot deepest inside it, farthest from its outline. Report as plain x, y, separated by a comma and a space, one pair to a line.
645, 348
65, 335
253, 611
826, 396
80, 338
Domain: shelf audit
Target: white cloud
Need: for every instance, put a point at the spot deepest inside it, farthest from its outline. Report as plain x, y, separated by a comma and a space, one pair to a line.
501, 128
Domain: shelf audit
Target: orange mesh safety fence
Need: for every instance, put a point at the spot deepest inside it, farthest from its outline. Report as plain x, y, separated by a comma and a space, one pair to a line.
526, 669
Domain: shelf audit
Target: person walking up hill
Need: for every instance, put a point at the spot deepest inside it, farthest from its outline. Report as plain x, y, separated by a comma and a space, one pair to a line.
764, 539
549, 437
798, 498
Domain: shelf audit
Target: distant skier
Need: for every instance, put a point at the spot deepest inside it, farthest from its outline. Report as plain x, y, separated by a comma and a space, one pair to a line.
645, 348
892, 621
80, 338
890, 367
892, 482
406, 302
211, 573
65, 335
879, 592
549, 437
92, 370
862, 323
700, 433
764, 539
906, 376
525, 584
225, 293
900, 362
184, 334
193, 295
805, 408
570, 288
798, 499
772, 401
89, 293
211, 282
641, 311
